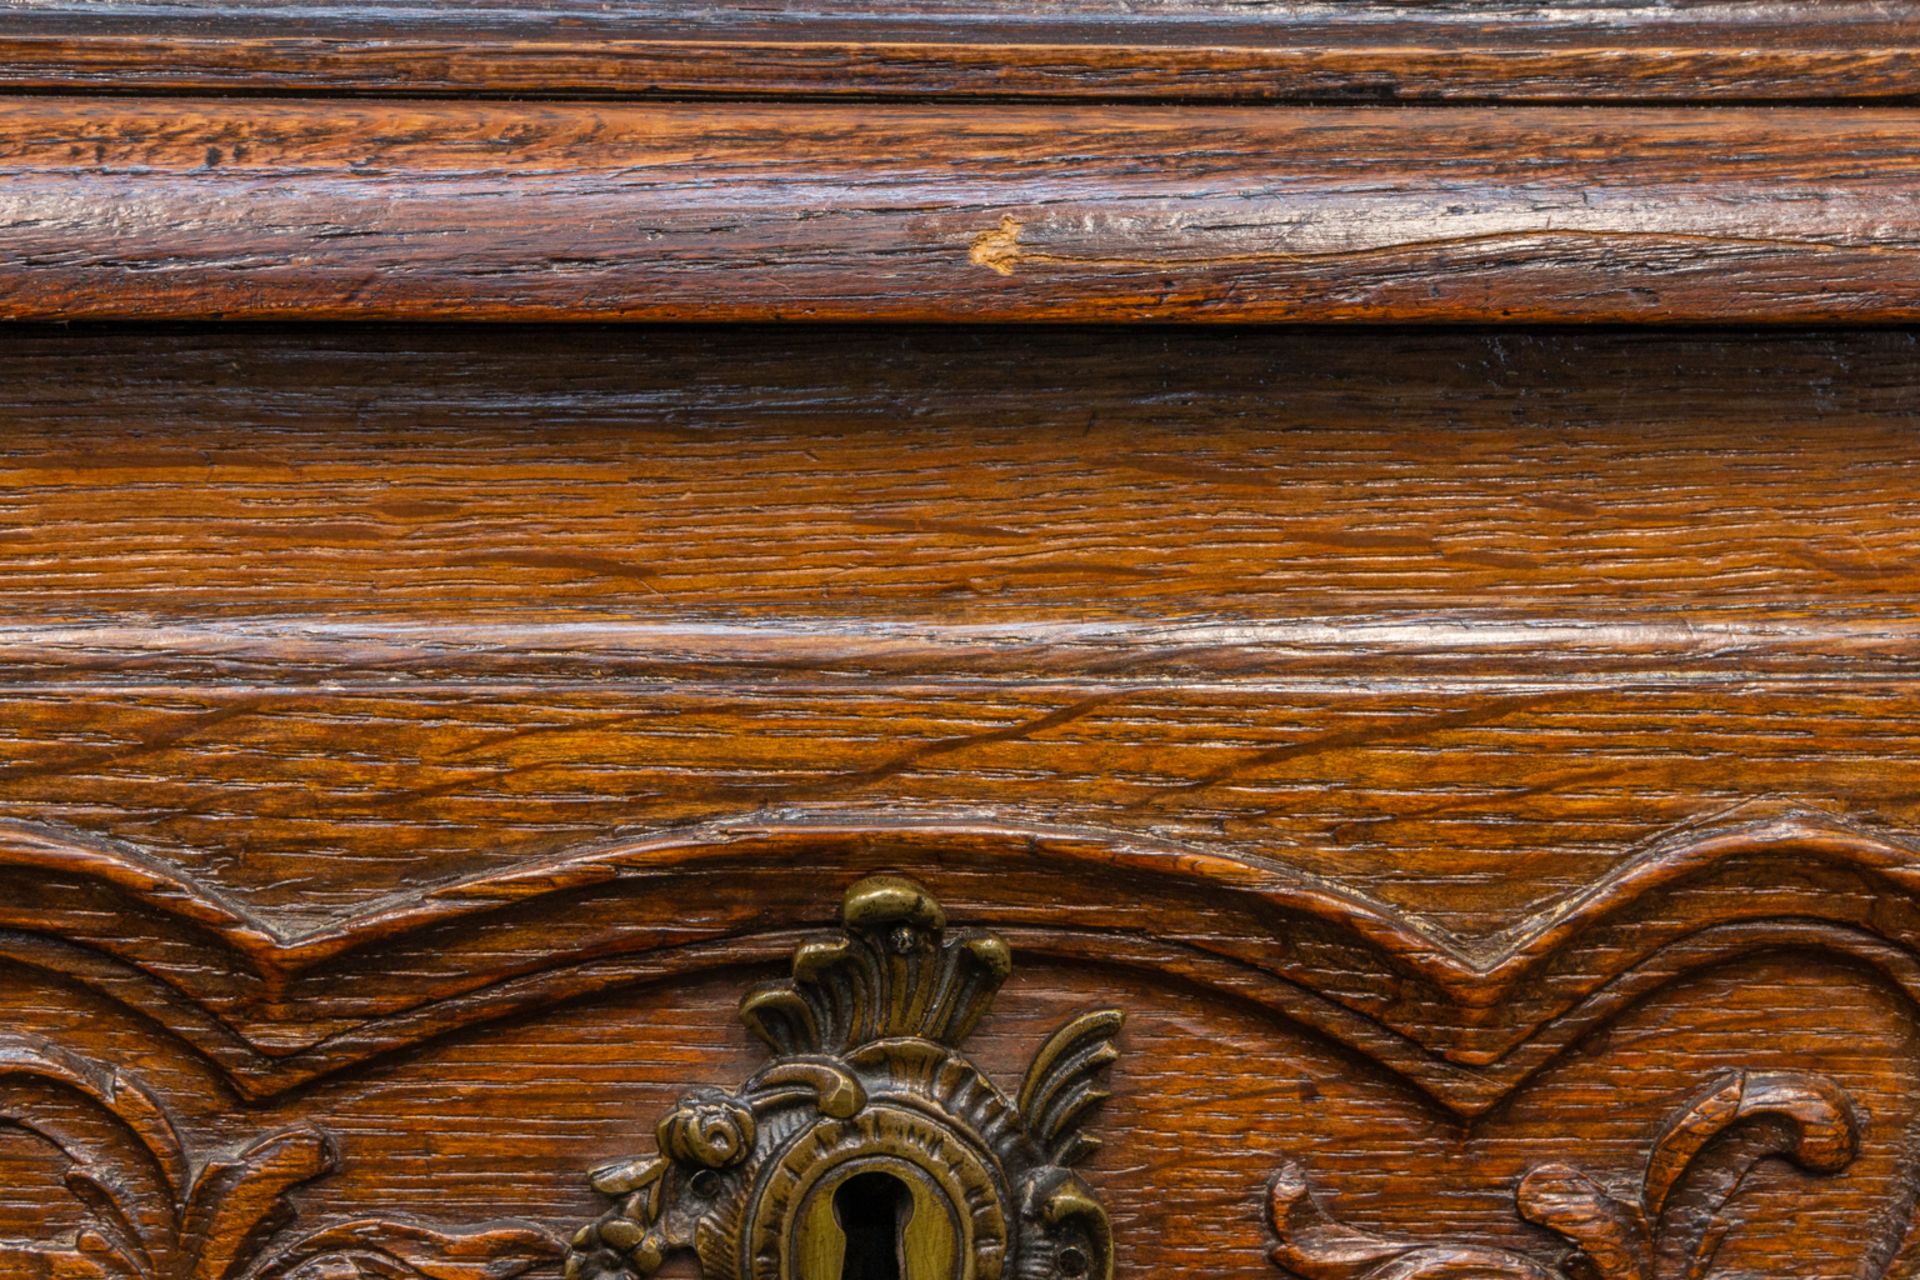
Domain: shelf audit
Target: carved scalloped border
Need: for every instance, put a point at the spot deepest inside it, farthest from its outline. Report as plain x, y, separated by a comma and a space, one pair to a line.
1464, 1022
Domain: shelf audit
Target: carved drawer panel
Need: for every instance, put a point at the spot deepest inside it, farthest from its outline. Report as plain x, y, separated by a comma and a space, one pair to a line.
1477, 770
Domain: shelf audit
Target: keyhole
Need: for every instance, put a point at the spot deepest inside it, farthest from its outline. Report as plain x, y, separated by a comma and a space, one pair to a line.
873, 1209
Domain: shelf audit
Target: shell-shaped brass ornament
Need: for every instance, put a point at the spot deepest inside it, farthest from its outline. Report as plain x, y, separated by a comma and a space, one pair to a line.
868, 1095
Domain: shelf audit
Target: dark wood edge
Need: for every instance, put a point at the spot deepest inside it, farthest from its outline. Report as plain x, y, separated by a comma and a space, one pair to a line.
1358, 59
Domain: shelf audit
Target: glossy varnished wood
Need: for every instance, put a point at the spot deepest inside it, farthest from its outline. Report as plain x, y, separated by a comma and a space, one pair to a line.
1353, 52
367, 210
1176, 584
1457, 787
1474, 762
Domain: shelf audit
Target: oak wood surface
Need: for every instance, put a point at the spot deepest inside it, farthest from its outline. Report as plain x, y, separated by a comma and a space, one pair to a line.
1731, 50
368, 210
1184, 583
1480, 763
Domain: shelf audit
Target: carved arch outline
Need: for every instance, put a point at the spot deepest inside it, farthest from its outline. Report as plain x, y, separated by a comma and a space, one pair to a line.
233, 987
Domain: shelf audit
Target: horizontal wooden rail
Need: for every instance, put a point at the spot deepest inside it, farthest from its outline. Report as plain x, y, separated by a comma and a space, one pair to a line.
1366, 51
113, 208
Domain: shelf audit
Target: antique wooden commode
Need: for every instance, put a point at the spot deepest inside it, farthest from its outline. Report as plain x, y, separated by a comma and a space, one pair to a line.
959, 640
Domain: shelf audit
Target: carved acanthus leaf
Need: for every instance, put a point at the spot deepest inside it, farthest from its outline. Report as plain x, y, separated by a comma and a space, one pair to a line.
1667, 1228
154, 1216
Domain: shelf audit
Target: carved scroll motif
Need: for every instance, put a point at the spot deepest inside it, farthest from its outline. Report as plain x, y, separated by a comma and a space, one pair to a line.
153, 1213
1669, 1227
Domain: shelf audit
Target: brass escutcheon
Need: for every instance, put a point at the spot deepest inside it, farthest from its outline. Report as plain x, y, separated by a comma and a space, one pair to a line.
870, 1147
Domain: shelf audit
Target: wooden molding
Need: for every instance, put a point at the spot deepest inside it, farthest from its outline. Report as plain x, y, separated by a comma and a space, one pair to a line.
250, 209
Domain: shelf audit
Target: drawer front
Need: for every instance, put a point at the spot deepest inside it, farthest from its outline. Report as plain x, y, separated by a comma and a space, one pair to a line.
1476, 769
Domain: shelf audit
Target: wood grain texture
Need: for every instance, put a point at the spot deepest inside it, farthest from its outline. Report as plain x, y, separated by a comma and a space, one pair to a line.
238, 209
1481, 765
1355, 52
1458, 620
